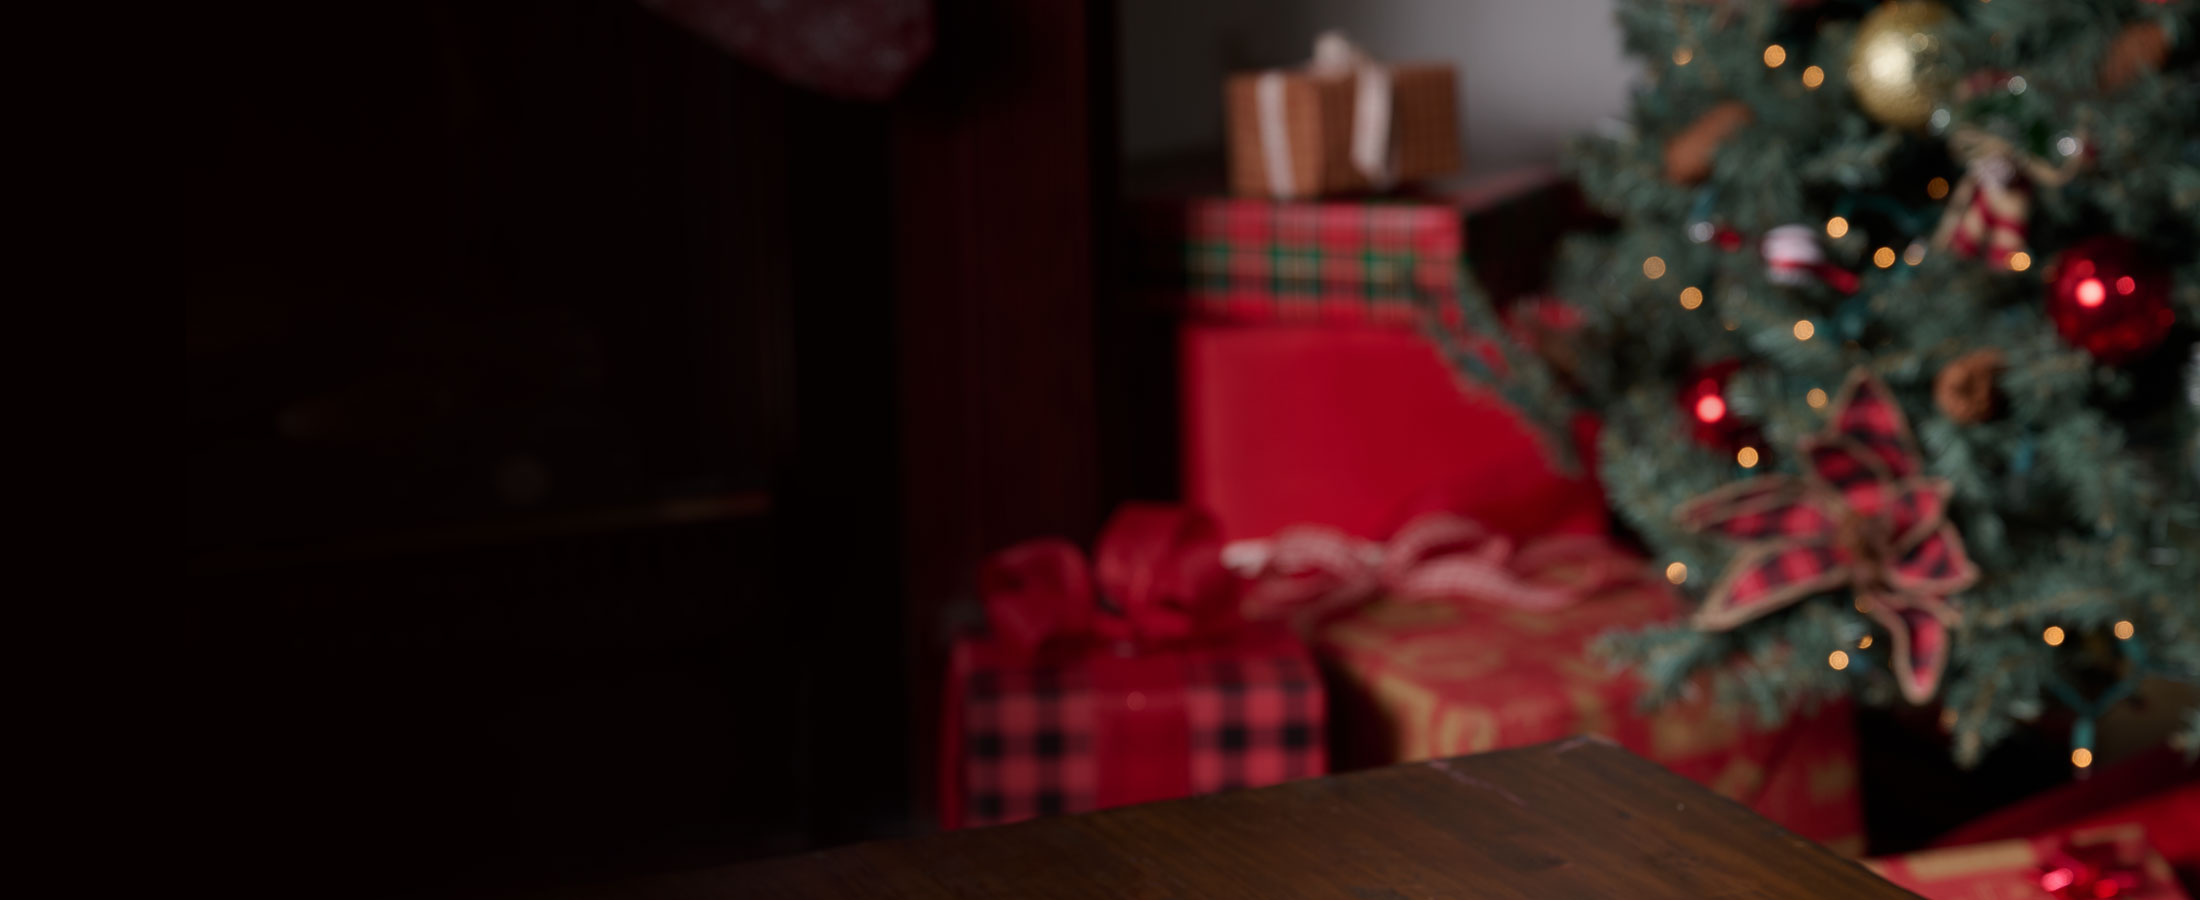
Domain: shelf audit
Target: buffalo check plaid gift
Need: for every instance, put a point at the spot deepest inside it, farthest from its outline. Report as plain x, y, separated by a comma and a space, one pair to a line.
1125, 681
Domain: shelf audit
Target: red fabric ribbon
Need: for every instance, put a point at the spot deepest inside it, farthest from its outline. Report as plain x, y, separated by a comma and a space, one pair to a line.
1313, 571
2090, 872
1158, 574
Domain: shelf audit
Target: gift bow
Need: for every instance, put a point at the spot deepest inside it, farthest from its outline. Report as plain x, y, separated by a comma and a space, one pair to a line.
2090, 872
1866, 517
1156, 577
1314, 570
1335, 56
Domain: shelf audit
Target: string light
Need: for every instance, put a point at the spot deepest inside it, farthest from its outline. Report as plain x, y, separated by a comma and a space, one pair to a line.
1838, 660
2125, 285
1747, 456
1864, 643
1677, 572
1731, 325
1816, 398
1836, 227
1682, 56
2081, 757
1803, 329
2020, 261
2091, 293
1813, 77
1914, 255
1691, 297
1775, 55
2124, 630
2053, 635
1653, 268
1863, 605
1936, 188
1883, 257
1710, 408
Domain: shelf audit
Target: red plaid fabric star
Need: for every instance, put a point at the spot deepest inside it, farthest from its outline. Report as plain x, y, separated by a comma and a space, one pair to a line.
1864, 517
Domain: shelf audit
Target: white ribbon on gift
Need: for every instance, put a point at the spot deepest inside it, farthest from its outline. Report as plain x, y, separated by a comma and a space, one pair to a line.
1335, 56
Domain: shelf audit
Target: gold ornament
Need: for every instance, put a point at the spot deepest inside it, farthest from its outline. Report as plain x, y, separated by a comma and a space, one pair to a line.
1893, 66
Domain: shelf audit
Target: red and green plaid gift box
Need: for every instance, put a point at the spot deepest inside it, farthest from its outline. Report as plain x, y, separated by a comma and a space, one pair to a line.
1108, 727
1361, 260
1123, 679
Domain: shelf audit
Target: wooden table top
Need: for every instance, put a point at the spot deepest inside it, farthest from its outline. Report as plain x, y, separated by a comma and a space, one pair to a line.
1573, 818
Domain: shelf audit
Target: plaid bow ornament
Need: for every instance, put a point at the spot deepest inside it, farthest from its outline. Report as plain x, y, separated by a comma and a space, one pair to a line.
1862, 518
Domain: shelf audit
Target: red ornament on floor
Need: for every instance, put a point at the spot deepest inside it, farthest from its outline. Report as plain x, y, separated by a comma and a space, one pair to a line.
2106, 296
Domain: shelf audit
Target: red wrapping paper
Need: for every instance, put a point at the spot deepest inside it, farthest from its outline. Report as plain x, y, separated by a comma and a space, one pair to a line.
1361, 427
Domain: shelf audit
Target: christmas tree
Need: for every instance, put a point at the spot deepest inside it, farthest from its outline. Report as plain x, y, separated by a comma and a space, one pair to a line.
1894, 351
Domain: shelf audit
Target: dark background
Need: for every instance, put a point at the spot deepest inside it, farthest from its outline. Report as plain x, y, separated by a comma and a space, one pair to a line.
590, 437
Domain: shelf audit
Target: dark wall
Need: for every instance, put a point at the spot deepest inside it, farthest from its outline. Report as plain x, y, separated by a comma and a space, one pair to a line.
542, 446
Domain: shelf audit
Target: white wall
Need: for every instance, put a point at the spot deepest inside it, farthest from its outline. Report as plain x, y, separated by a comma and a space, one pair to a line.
1531, 71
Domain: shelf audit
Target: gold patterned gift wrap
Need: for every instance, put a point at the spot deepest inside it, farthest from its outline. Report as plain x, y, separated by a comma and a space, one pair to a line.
1424, 679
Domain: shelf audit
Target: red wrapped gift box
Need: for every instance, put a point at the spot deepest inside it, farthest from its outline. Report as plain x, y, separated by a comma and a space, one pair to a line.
1416, 680
2085, 864
1308, 389
1359, 426
1146, 689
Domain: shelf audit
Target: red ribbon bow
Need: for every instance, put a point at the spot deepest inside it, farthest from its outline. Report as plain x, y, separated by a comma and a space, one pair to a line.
2090, 872
1314, 570
1865, 517
1158, 573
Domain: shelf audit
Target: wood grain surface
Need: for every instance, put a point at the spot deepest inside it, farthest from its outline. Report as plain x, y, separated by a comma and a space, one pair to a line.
1573, 818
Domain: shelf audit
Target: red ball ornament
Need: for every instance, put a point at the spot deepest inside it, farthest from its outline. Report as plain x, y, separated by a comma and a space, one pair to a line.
2106, 296
1703, 405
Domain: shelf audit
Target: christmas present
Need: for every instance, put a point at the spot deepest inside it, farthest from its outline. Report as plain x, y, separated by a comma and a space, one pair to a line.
1373, 261
1360, 427
2157, 789
1418, 679
1343, 123
1125, 680
2083, 864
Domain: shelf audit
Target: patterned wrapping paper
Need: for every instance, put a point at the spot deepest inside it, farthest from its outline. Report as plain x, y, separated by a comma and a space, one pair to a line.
1367, 260
1430, 679
2014, 869
1107, 726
